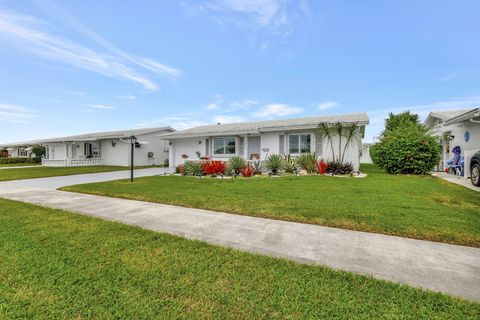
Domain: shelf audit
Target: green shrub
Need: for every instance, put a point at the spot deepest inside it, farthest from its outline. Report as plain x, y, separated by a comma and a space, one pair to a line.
274, 163
290, 163
258, 167
193, 168
236, 164
20, 160
308, 162
407, 150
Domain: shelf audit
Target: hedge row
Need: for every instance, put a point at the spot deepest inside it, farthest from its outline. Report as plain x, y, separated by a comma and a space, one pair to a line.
19, 160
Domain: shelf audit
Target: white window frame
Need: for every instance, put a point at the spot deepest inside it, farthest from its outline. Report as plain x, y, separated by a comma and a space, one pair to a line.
299, 134
224, 154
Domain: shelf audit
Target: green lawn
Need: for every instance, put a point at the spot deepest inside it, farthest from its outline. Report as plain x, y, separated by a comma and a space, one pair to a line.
41, 172
420, 207
60, 265
18, 164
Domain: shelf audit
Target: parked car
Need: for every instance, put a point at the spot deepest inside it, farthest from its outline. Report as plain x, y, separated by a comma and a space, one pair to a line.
475, 169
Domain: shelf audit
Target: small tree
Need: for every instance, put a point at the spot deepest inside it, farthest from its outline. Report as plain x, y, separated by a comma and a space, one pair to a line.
39, 151
405, 146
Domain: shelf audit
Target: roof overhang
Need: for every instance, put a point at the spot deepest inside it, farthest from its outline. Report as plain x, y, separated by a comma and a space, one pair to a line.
471, 114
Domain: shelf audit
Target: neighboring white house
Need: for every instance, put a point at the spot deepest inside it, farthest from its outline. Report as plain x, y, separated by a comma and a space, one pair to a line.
257, 140
107, 148
365, 154
20, 149
456, 128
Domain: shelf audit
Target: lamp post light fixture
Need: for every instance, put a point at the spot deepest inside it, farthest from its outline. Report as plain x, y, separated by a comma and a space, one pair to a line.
132, 140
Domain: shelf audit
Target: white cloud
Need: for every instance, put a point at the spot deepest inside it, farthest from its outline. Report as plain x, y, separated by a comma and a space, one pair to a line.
242, 105
213, 106
447, 77
327, 105
27, 33
227, 119
127, 97
277, 110
101, 106
15, 114
273, 18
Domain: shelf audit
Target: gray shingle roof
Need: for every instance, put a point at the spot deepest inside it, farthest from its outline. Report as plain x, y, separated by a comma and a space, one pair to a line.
447, 114
94, 136
265, 126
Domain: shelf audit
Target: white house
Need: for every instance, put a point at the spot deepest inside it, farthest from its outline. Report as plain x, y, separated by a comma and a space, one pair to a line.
365, 154
456, 128
20, 149
257, 140
107, 148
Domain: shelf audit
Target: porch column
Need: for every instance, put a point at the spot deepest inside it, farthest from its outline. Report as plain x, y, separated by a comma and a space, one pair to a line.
245, 147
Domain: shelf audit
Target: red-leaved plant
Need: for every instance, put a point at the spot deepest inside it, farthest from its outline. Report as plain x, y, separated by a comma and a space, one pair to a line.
214, 167
247, 171
322, 167
181, 168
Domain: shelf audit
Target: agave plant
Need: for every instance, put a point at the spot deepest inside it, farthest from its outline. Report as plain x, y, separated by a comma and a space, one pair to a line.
274, 163
193, 168
290, 163
308, 162
236, 163
257, 167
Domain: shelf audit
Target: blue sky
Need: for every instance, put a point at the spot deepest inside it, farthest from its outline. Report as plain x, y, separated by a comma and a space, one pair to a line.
70, 67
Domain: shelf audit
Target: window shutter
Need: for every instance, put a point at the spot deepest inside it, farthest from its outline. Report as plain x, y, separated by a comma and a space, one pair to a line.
318, 144
241, 146
207, 147
281, 144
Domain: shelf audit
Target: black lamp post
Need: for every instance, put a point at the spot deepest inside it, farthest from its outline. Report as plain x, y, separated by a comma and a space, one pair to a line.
132, 140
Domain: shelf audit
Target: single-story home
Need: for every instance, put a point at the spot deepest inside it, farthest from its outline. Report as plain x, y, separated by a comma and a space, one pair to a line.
20, 149
257, 140
456, 128
107, 148
365, 153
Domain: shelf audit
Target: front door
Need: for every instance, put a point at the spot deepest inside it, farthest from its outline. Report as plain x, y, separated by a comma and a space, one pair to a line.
253, 147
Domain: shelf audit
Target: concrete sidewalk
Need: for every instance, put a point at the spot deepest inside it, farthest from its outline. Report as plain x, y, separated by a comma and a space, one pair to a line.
54, 183
461, 181
447, 268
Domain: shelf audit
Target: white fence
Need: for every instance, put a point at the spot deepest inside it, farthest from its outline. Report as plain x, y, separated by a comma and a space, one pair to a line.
72, 162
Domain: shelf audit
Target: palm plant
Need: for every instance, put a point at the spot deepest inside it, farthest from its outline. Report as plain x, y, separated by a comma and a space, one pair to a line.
308, 162
325, 131
236, 163
290, 163
330, 131
274, 163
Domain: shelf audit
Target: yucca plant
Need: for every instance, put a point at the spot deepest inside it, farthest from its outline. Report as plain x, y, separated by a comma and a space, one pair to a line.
274, 163
236, 163
193, 168
257, 167
290, 163
308, 162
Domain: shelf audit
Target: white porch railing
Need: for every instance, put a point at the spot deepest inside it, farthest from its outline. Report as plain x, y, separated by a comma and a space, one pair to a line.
72, 162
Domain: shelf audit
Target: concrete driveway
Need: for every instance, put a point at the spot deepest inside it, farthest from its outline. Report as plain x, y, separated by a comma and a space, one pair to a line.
63, 181
441, 267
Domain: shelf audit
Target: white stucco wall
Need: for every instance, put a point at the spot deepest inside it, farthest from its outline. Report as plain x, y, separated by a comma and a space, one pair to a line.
269, 144
458, 131
118, 153
365, 157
